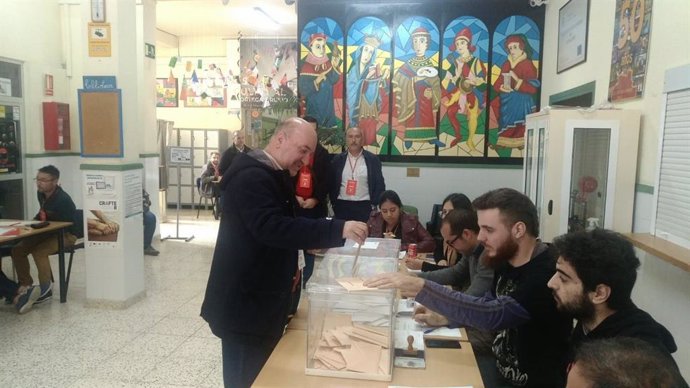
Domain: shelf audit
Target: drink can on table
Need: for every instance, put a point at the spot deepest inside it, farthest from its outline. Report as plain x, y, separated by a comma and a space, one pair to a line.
412, 250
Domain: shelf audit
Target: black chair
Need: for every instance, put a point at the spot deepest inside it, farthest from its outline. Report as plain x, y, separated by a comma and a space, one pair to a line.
434, 228
206, 191
78, 244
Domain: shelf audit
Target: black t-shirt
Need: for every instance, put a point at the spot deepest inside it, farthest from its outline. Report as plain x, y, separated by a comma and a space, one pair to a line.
534, 353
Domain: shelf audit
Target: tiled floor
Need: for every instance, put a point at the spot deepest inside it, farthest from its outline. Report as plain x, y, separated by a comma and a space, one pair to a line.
159, 342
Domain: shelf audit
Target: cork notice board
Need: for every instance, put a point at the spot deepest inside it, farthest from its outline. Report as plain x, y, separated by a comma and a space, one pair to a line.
100, 121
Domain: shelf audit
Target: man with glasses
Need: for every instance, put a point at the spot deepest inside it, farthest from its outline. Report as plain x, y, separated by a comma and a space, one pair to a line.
56, 205
460, 230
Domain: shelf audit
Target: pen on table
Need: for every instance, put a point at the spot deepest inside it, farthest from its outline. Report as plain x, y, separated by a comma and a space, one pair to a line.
430, 330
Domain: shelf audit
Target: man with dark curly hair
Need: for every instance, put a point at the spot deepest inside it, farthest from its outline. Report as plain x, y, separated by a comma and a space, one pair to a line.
595, 276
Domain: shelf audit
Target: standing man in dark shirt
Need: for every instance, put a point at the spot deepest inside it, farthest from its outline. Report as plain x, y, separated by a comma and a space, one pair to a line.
356, 180
237, 147
595, 276
532, 340
56, 205
254, 266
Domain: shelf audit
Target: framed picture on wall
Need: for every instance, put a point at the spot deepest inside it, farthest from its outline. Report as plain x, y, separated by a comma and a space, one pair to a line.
573, 19
203, 93
166, 92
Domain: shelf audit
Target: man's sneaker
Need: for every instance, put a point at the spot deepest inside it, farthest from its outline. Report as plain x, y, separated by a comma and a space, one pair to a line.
46, 294
28, 299
151, 251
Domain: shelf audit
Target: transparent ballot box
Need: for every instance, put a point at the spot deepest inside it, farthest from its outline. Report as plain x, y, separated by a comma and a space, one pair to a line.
350, 328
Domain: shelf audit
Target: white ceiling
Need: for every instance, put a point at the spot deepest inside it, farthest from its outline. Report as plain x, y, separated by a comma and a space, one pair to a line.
189, 18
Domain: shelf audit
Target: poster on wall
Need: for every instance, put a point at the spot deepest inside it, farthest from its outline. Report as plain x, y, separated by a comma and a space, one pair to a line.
630, 49
9, 149
268, 85
133, 202
463, 85
103, 211
515, 85
368, 76
450, 87
321, 79
416, 88
166, 92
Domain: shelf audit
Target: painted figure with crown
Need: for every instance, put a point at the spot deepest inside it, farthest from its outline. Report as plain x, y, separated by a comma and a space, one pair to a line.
417, 91
318, 74
466, 78
366, 89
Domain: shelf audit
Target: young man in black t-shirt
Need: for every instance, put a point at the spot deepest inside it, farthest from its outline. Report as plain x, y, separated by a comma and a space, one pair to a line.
531, 344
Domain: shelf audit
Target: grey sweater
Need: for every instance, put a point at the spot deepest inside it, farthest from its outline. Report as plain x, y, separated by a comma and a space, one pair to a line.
468, 268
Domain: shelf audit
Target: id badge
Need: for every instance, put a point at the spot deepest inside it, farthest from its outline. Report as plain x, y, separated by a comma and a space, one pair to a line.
300, 259
351, 187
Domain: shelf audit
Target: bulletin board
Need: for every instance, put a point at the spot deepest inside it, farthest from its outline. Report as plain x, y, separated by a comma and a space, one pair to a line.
100, 122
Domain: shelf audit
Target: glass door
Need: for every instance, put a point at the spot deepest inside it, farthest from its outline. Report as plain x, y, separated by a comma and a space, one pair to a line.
589, 177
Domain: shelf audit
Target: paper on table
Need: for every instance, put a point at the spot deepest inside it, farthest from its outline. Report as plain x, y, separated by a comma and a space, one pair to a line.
9, 231
407, 323
406, 306
352, 284
11, 223
443, 333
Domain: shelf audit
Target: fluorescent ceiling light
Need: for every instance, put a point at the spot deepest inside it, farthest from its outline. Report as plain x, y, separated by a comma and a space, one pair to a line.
265, 16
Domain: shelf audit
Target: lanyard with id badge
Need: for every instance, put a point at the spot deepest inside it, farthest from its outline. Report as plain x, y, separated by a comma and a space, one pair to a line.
351, 187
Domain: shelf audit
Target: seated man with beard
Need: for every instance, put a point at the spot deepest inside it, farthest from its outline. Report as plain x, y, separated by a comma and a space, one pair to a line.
531, 344
595, 276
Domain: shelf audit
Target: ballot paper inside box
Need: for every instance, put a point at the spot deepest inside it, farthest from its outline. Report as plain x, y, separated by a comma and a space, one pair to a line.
350, 331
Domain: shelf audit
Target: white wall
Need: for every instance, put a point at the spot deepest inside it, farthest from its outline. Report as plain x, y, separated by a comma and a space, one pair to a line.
668, 48
662, 290
434, 183
31, 32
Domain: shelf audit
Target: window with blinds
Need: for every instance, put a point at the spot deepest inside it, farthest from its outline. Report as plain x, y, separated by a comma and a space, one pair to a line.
672, 217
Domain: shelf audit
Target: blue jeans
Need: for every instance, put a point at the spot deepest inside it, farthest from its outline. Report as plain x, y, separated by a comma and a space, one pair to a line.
243, 358
149, 228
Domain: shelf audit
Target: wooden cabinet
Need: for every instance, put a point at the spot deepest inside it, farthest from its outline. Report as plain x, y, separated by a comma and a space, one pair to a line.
580, 168
202, 142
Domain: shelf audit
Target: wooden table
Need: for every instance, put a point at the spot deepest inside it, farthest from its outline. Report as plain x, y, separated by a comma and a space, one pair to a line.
444, 367
57, 227
285, 368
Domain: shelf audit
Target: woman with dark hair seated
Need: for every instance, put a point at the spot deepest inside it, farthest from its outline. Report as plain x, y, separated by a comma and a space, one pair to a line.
449, 255
390, 221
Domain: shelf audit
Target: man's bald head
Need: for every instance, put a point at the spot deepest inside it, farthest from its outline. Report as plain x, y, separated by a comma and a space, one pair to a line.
291, 144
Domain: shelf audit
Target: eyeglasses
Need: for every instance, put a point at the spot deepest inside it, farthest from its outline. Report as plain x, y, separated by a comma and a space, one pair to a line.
451, 242
443, 213
43, 180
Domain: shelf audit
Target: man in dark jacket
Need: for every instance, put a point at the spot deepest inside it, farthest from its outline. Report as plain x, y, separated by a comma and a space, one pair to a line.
595, 276
236, 148
56, 205
254, 265
356, 180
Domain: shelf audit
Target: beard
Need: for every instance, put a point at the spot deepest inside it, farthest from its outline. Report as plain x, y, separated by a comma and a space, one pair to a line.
504, 252
580, 309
